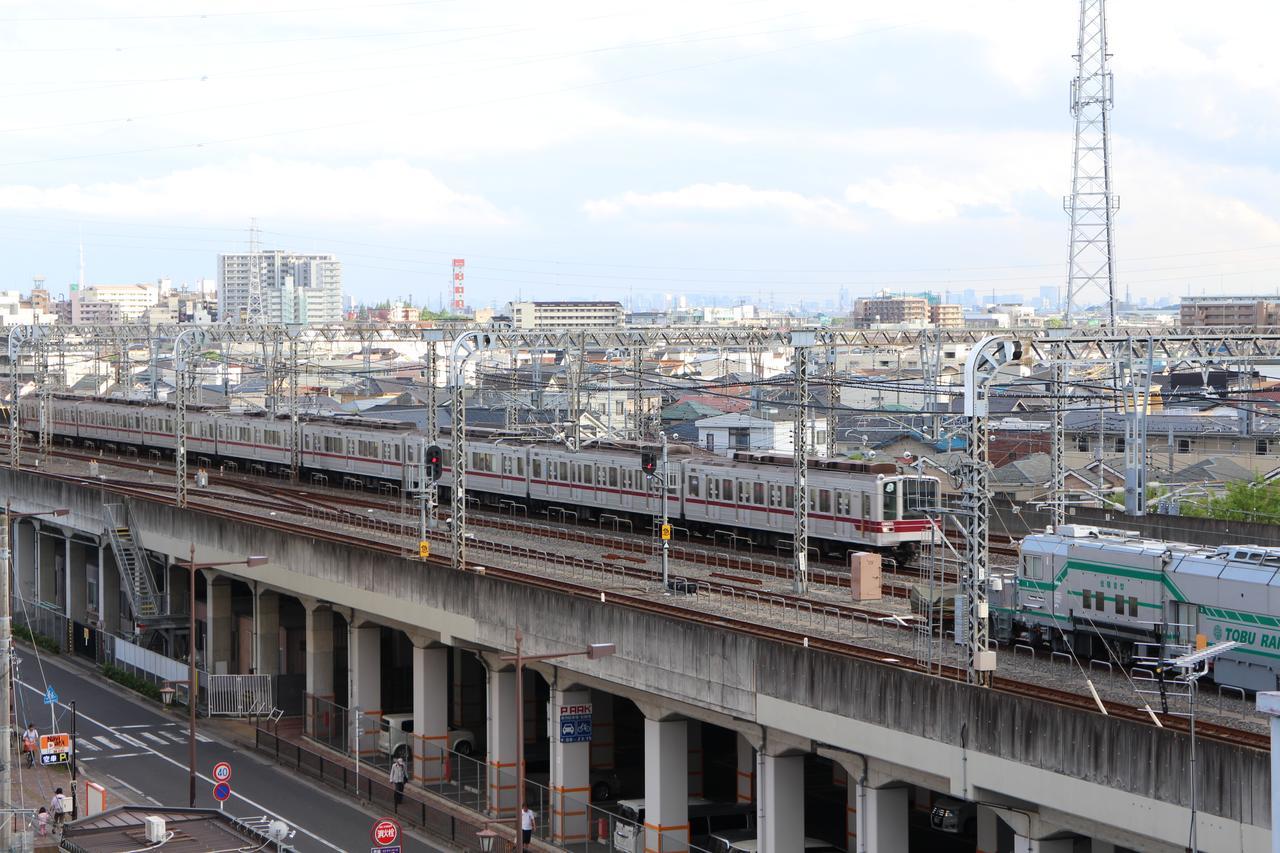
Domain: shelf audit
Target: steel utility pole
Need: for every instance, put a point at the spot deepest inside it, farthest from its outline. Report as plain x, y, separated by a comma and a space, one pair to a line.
666, 538
802, 342
981, 368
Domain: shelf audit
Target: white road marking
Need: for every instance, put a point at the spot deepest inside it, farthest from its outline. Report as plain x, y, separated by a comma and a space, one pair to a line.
201, 776
124, 755
85, 743
132, 741
156, 738
174, 737
134, 726
106, 741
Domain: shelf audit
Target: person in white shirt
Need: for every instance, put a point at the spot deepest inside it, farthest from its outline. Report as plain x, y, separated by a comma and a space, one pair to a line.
31, 743
527, 822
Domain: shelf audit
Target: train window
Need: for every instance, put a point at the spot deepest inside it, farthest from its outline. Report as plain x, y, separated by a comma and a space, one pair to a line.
824, 500
713, 489
726, 489
866, 505
919, 496
332, 444
693, 485
613, 478
791, 497
1033, 567
775, 495
890, 503
602, 478
395, 452
842, 503
519, 466
744, 492
1086, 599
1133, 605
537, 467
1101, 600
758, 494
506, 465
368, 449
564, 472
1119, 604
673, 482
306, 441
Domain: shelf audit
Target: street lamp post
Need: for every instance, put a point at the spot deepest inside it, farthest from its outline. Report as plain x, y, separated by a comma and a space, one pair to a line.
595, 651
192, 684
6, 660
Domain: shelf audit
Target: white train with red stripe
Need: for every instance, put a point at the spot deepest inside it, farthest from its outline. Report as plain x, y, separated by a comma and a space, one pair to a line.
752, 494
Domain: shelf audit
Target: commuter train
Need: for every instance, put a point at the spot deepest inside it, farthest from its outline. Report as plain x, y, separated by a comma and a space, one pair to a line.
1109, 594
851, 504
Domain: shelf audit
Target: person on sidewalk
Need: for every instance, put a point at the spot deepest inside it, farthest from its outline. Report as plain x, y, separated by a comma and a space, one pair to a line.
60, 806
31, 743
527, 823
399, 775
42, 819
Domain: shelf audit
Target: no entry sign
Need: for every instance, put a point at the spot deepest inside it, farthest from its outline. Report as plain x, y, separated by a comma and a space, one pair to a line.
385, 832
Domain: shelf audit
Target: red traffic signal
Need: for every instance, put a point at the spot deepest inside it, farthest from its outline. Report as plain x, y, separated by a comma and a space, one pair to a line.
435, 462
649, 462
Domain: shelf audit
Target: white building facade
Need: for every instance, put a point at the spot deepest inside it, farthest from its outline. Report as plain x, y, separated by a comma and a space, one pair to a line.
295, 288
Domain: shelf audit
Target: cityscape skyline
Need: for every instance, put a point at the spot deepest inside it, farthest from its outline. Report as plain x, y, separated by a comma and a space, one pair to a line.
734, 149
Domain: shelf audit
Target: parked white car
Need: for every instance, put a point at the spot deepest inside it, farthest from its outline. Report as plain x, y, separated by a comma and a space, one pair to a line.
394, 738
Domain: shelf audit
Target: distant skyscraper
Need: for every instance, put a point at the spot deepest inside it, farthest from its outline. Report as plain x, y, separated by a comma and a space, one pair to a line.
295, 288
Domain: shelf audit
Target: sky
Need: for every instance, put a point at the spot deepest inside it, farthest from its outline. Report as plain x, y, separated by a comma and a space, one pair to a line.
766, 151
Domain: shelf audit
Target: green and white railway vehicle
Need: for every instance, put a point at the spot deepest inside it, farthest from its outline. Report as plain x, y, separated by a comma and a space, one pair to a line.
1083, 587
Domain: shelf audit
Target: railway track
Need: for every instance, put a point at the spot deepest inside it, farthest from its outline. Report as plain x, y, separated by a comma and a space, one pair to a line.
250, 509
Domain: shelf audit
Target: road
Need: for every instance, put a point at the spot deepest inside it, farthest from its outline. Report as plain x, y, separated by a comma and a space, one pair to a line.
146, 751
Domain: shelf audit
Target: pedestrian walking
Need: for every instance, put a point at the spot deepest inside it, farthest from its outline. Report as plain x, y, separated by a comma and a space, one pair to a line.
399, 775
60, 806
527, 822
42, 818
30, 743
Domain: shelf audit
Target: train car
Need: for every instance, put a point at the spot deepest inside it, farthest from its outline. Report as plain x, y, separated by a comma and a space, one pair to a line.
1084, 587
751, 494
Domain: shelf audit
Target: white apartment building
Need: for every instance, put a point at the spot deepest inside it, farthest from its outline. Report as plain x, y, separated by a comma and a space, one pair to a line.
14, 313
566, 315
295, 288
132, 302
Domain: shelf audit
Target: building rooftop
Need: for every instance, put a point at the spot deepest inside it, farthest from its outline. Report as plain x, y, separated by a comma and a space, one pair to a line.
194, 831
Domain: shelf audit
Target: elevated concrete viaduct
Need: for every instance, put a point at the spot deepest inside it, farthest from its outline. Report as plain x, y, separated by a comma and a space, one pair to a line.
1052, 774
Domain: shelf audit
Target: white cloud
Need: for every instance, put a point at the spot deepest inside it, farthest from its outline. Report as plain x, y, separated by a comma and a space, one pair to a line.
383, 192
723, 200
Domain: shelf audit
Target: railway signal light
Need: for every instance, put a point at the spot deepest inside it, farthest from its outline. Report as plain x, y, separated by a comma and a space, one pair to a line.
435, 463
649, 462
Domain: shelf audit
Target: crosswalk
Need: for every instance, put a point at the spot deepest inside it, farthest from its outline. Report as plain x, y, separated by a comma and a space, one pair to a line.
138, 740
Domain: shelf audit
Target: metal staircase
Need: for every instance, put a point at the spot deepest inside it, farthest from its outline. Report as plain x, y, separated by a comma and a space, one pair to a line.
135, 569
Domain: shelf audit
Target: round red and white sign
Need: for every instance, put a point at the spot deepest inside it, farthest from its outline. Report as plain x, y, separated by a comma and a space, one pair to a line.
385, 832
222, 772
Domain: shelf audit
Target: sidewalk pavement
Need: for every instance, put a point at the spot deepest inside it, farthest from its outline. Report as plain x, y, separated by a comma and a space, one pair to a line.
33, 787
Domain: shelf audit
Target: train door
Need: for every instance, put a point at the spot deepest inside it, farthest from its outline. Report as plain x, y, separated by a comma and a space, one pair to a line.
845, 529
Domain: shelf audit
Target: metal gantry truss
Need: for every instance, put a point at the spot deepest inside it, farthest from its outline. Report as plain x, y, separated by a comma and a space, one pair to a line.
802, 342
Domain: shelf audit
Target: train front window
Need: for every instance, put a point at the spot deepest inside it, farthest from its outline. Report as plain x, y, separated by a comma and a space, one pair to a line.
890, 504
919, 496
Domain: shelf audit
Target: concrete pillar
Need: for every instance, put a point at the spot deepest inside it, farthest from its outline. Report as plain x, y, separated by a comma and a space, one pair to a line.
746, 784
66, 576
99, 603
455, 710
1022, 844
430, 713
24, 560
602, 743
666, 800
266, 658
109, 590
502, 743
988, 830
851, 790
319, 652
366, 686
78, 602
780, 808
885, 821
570, 772
693, 733
217, 623
46, 566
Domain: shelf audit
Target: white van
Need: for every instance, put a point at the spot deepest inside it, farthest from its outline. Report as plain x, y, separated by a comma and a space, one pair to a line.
705, 818
746, 841
394, 741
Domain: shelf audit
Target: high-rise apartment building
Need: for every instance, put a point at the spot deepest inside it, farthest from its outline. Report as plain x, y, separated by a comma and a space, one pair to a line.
1229, 311
892, 310
295, 288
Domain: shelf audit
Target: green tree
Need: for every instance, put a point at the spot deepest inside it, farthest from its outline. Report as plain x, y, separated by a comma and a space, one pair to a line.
1253, 500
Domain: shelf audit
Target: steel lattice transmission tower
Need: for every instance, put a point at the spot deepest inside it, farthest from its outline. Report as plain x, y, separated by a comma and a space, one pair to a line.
255, 312
1091, 268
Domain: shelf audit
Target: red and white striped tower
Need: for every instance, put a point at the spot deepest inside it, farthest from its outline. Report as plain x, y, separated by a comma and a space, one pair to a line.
459, 303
